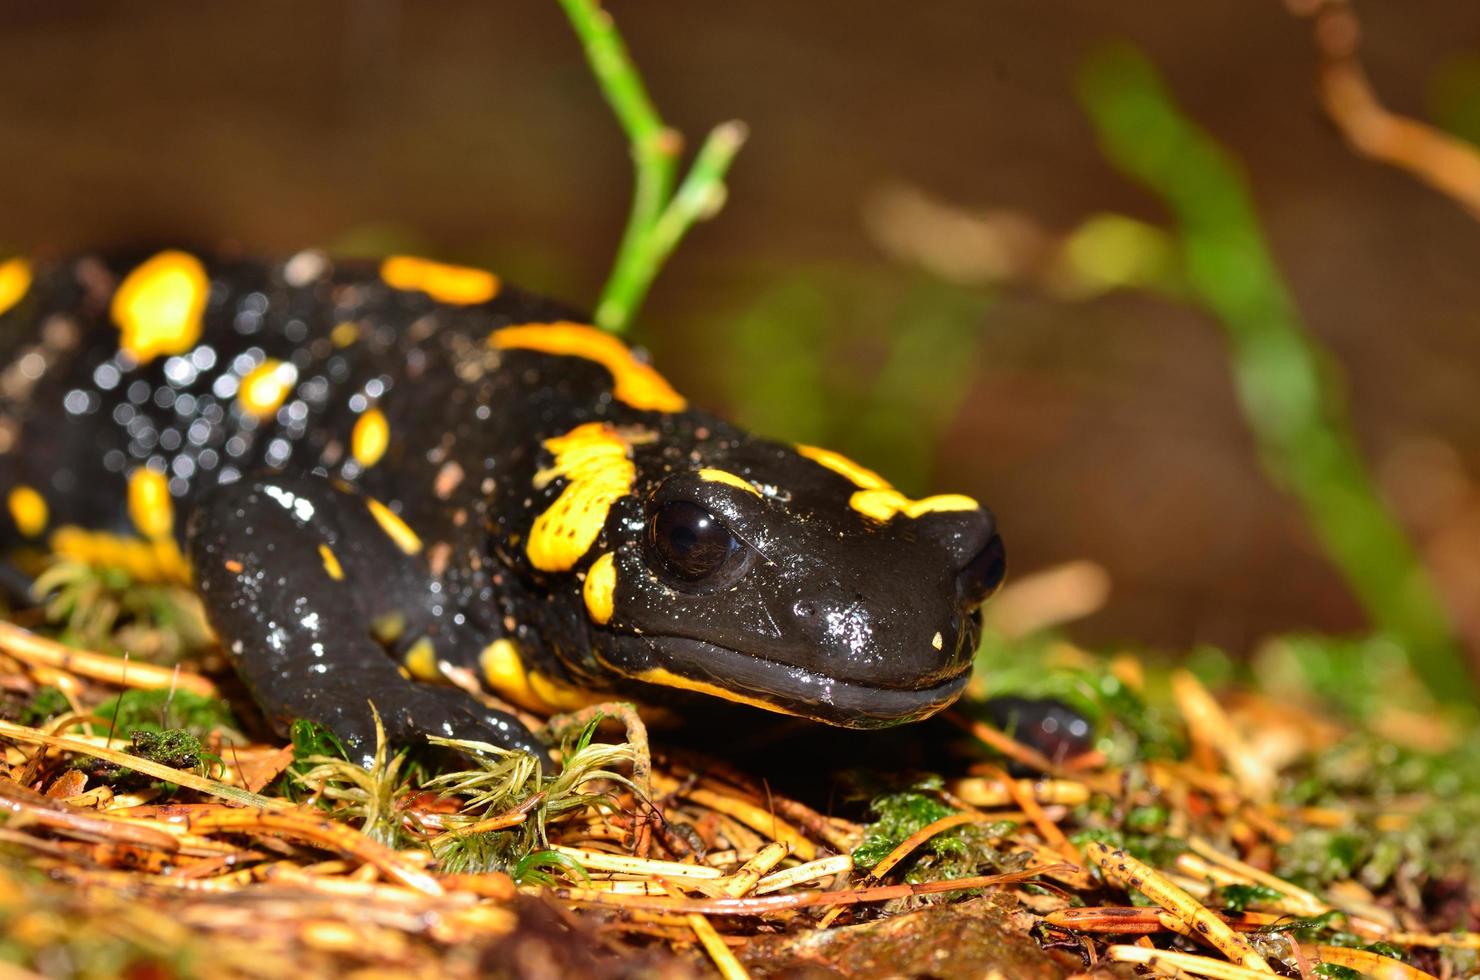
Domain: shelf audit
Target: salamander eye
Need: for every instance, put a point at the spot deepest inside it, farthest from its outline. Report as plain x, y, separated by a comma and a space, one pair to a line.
690, 543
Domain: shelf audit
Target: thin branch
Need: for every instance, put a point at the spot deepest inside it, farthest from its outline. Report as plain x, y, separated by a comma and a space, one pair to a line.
1446, 163
659, 218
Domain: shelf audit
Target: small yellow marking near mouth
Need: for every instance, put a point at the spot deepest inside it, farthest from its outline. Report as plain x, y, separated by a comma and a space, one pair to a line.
149, 503
15, 279
633, 383
370, 437
331, 563
458, 285
726, 477
266, 387
601, 588
28, 509
937, 641
393, 526
159, 307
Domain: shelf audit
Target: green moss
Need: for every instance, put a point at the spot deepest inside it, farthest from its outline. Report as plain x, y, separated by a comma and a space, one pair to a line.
173, 747
46, 704
956, 853
1236, 898
158, 710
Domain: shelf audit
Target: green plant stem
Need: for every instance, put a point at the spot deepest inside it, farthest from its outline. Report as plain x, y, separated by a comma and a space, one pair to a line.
1287, 385
659, 217
700, 196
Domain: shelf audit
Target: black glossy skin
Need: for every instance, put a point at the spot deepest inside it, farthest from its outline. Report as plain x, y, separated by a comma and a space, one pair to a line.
818, 610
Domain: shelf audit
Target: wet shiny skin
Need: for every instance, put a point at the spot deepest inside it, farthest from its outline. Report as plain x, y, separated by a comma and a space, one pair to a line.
374, 486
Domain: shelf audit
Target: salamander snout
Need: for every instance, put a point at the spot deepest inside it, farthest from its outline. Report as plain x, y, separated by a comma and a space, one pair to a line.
982, 576
971, 540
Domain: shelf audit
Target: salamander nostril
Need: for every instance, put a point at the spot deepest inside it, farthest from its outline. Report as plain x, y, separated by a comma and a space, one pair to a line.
983, 575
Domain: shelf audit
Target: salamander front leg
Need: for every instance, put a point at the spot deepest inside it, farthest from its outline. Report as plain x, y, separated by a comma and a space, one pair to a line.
292, 572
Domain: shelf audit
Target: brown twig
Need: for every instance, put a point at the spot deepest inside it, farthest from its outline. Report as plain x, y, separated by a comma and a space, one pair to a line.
1446, 163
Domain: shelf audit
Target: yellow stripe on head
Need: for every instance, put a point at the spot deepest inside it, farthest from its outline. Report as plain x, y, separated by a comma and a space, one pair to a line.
370, 437
15, 279
28, 510
875, 498
884, 505
266, 387
600, 590
398, 530
457, 285
160, 305
633, 383
149, 503
861, 476
596, 460
725, 476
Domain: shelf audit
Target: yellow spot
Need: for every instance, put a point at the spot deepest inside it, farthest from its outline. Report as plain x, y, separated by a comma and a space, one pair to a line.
149, 503
667, 678
504, 673
392, 525
344, 334
159, 306
331, 563
633, 383
157, 561
455, 284
724, 476
372, 433
600, 590
421, 661
883, 505
266, 387
875, 498
937, 640
15, 279
595, 459
28, 510
388, 627
861, 476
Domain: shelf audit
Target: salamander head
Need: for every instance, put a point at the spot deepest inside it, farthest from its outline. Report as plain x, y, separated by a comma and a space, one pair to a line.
788, 578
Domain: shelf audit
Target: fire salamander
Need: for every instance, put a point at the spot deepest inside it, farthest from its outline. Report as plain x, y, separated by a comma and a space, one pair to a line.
406, 482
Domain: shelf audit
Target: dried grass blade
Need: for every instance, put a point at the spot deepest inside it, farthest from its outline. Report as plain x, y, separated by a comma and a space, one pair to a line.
1127, 872
724, 959
241, 797
38, 651
1202, 966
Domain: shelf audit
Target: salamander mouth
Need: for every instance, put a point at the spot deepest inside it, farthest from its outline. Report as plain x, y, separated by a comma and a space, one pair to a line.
697, 665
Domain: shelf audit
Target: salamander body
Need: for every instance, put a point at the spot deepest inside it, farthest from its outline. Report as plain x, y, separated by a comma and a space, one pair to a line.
405, 482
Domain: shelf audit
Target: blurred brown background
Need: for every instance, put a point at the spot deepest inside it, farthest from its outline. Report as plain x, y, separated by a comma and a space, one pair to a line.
1103, 430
